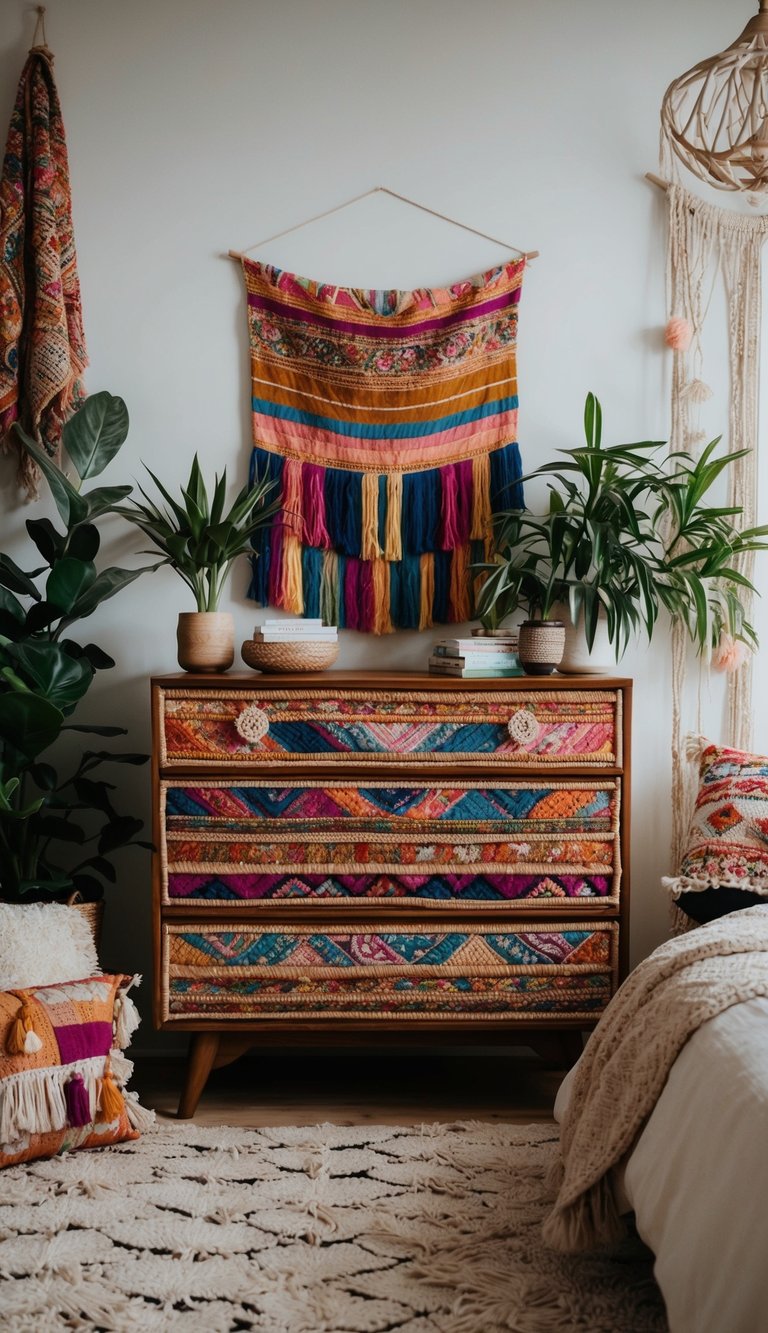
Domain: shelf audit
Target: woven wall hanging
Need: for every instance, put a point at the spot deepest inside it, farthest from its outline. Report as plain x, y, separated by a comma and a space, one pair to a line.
388, 420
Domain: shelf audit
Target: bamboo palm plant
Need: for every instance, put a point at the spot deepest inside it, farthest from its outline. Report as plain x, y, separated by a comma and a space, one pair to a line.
628, 531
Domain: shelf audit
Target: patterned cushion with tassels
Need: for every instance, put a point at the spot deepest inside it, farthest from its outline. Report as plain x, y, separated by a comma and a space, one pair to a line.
62, 1068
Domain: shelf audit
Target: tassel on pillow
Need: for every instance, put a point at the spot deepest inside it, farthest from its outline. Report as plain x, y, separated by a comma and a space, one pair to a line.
22, 1038
111, 1102
126, 1019
78, 1102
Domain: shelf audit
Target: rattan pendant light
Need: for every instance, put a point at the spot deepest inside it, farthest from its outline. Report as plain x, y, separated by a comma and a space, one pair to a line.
715, 116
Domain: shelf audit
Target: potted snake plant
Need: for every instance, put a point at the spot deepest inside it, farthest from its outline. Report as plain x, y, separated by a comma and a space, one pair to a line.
197, 539
628, 532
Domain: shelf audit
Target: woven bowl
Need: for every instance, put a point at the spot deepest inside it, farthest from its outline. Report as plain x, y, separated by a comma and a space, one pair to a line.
309, 655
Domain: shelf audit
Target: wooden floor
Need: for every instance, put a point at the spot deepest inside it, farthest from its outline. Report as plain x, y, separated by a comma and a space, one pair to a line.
394, 1087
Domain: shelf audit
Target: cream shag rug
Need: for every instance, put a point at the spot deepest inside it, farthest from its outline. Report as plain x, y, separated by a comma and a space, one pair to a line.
433, 1229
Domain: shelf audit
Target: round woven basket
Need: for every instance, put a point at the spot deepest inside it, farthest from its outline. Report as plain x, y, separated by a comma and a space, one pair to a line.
310, 655
93, 913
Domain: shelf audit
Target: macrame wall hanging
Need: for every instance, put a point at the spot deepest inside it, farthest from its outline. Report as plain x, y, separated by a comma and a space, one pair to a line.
714, 121
42, 344
388, 421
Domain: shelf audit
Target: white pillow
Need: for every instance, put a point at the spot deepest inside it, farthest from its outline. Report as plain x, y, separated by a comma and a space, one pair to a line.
42, 944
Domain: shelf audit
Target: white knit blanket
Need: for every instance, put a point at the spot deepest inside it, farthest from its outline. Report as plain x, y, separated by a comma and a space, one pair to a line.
625, 1064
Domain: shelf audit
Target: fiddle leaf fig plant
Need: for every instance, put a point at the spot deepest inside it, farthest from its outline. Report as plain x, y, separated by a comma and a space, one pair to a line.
196, 537
628, 531
59, 824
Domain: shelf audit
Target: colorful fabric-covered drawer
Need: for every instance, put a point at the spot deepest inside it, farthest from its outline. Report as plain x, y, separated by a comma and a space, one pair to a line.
481, 972
517, 843
232, 727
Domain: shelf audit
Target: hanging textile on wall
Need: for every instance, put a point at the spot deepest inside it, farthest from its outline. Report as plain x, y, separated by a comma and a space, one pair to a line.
703, 241
388, 419
42, 345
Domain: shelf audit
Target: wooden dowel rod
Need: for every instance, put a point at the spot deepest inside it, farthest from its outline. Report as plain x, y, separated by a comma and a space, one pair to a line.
656, 180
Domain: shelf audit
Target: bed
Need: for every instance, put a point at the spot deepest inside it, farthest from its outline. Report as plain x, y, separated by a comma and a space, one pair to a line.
695, 1172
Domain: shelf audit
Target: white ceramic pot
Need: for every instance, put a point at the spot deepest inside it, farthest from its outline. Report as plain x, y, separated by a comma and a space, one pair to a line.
206, 640
578, 659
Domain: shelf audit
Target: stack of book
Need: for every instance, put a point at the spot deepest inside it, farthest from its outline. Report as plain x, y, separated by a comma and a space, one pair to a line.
475, 657
295, 631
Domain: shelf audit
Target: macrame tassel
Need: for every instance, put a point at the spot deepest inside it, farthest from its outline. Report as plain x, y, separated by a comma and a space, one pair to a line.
421, 511
344, 510
275, 581
258, 590
382, 511
329, 589
292, 498
312, 574
351, 594
393, 542
371, 549
696, 391
442, 575
125, 1018
481, 497
78, 1104
506, 479
459, 590
291, 591
449, 508
22, 1038
695, 746
313, 506
111, 1101
341, 575
405, 578
477, 579
427, 572
678, 333
140, 1117
367, 596
382, 619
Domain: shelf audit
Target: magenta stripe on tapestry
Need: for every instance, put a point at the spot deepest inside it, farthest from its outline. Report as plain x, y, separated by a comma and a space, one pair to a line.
401, 332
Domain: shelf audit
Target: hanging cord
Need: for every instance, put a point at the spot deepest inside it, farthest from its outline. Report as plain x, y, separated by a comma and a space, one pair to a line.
40, 31
382, 189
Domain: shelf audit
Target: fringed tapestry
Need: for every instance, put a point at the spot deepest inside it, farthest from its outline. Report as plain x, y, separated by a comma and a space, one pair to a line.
388, 420
42, 345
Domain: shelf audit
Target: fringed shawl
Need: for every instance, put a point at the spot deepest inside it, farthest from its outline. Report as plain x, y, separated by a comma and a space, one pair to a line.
388, 422
42, 345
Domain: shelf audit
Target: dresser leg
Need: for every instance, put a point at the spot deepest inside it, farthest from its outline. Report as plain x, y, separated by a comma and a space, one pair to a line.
202, 1053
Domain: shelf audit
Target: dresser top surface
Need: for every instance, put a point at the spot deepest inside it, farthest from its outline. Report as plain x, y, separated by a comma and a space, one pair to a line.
395, 680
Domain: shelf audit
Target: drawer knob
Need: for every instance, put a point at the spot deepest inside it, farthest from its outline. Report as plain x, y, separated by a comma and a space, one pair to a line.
522, 726
252, 723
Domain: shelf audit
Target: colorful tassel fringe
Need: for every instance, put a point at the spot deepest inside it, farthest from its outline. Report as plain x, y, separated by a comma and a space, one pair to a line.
378, 552
77, 1102
111, 1100
22, 1038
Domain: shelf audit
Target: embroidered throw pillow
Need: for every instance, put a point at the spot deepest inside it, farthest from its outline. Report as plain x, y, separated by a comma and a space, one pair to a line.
42, 943
725, 864
62, 1068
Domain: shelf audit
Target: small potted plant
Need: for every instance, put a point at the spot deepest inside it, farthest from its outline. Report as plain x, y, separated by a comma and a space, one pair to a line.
627, 533
201, 542
59, 824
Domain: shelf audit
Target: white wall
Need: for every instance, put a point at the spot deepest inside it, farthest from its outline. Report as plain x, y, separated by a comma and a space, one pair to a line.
196, 125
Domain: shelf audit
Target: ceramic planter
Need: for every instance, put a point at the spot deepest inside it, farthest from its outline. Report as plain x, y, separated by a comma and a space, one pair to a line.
578, 659
206, 640
541, 646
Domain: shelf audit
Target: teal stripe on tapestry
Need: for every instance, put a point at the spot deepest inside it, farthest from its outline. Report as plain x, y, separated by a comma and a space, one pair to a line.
311, 573
406, 430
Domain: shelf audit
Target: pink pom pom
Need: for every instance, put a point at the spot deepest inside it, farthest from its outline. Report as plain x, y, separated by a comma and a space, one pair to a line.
678, 334
729, 654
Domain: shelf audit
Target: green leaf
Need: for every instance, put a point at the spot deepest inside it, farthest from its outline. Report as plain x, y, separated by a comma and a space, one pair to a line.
104, 500
61, 679
104, 586
48, 541
118, 832
93, 730
69, 503
40, 616
57, 826
95, 433
68, 581
29, 723
85, 542
15, 580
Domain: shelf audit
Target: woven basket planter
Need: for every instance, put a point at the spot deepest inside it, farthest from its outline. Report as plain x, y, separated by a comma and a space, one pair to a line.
310, 655
541, 646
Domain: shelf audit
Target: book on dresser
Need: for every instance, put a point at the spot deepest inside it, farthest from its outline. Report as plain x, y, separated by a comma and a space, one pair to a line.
359, 856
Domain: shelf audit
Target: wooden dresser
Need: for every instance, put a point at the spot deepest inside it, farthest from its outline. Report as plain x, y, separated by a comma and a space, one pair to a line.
357, 854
